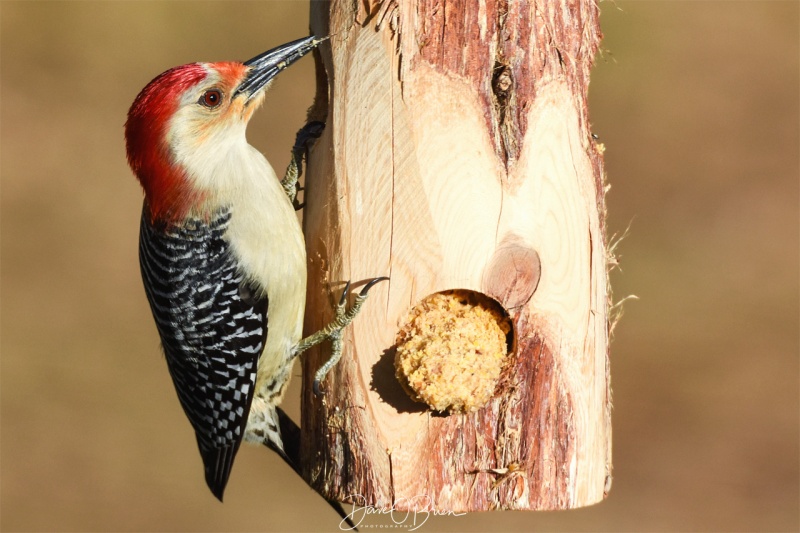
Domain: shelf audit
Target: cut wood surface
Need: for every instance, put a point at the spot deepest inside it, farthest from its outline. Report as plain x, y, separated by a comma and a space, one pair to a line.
458, 155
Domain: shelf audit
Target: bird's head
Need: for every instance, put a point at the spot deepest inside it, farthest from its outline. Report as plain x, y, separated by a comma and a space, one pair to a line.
188, 118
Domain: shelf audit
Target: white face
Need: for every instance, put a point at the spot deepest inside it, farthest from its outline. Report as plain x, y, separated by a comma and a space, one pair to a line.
206, 134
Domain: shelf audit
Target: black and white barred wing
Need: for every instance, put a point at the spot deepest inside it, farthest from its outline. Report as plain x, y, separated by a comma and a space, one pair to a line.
212, 331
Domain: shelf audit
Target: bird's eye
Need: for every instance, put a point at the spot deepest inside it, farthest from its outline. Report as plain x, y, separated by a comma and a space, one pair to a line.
211, 98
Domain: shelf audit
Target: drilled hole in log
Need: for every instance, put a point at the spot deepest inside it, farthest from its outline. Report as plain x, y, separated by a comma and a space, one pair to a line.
452, 349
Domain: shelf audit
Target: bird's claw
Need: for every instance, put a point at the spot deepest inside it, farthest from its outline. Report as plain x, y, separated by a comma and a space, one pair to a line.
371, 284
343, 299
333, 331
317, 391
307, 134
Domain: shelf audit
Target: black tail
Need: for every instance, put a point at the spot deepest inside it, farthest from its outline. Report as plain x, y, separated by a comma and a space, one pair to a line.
218, 463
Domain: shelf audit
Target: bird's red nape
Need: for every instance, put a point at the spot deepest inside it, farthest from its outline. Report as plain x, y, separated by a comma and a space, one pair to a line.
166, 189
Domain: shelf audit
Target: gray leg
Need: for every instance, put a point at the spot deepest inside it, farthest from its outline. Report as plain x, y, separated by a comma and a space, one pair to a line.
333, 331
305, 138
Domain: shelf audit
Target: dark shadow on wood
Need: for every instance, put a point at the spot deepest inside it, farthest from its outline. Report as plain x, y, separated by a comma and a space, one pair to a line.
385, 383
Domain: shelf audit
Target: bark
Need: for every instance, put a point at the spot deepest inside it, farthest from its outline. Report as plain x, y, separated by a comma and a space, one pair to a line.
458, 155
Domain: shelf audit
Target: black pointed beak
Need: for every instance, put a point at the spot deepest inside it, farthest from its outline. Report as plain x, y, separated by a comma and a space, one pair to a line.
264, 67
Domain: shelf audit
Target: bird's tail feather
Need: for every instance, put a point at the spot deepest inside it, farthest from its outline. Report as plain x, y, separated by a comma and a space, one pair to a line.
218, 463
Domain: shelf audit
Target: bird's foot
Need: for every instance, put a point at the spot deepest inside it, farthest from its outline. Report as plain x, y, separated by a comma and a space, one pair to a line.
303, 141
333, 331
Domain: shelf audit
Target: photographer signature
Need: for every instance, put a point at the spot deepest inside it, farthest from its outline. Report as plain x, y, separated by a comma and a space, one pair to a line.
422, 509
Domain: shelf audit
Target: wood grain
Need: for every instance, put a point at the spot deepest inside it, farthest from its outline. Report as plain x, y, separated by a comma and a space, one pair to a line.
457, 155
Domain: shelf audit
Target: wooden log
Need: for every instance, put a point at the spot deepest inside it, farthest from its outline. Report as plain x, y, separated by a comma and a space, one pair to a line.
458, 155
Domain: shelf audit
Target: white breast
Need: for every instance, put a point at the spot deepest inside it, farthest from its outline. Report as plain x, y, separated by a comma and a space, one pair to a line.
266, 237
264, 232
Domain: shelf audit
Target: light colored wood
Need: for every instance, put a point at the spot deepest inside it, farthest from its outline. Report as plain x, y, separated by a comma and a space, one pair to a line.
430, 173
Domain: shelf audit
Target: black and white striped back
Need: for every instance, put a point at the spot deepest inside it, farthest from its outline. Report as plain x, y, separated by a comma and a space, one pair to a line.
212, 330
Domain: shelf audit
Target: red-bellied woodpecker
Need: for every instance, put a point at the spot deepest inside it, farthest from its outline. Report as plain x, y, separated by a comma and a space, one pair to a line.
222, 253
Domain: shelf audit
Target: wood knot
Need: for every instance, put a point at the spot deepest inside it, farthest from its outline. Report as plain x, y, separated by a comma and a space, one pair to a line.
512, 275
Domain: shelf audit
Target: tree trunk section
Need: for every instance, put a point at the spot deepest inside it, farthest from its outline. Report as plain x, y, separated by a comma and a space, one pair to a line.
458, 155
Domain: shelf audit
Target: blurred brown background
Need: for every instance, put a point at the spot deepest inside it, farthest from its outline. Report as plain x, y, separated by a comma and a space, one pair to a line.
697, 104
